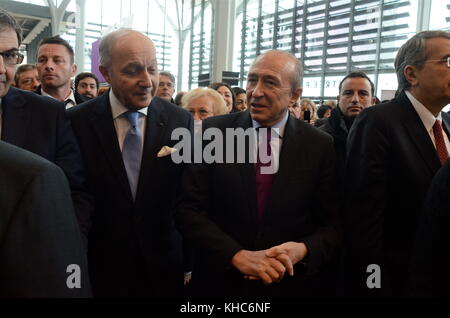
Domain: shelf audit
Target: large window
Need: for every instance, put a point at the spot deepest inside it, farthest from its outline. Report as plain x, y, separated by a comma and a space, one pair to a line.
331, 37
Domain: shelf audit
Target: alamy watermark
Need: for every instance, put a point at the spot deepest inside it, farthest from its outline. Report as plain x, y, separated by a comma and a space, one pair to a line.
235, 146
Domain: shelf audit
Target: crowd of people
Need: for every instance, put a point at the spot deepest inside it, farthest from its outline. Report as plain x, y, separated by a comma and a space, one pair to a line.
93, 205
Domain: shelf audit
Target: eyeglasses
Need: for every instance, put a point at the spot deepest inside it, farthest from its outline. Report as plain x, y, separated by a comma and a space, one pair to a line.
12, 58
445, 59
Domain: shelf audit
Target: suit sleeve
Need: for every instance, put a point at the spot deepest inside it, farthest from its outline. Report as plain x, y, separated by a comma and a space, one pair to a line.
430, 262
69, 159
365, 191
42, 240
323, 244
192, 216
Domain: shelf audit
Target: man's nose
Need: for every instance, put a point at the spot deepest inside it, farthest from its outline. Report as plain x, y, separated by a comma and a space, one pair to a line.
146, 79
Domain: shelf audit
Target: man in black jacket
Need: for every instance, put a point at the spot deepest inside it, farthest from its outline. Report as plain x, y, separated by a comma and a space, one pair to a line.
41, 254
356, 92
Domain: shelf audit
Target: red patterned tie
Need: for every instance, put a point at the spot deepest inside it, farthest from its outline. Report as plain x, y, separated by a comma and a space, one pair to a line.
440, 143
263, 181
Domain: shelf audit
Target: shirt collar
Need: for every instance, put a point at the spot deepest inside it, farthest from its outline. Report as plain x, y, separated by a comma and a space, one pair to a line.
425, 115
70, 97
117, 107
281, 125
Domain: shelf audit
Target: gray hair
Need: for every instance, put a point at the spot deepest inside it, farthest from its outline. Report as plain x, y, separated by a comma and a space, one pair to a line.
297, 78
413, 52
169, 75
107, 42
219, 106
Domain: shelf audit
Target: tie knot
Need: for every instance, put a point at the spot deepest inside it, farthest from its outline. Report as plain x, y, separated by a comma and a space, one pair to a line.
133, 117
437, 124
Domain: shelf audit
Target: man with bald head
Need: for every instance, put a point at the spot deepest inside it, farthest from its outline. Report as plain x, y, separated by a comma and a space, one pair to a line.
134, 248
272, 235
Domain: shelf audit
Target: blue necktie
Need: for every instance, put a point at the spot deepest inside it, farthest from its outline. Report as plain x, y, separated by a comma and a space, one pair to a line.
132, 150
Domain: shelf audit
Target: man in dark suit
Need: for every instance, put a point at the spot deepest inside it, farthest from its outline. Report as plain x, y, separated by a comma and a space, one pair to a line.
356, 92
134, 248
394, 150
37, 123
55, 65
38, 230
251, 228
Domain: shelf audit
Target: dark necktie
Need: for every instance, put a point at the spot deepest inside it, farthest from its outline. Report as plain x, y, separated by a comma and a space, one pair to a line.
264, 179
440, 143
132, 150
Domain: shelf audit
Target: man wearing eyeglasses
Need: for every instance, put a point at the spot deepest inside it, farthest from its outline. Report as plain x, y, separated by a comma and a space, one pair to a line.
393, 152
40, 238
36, 123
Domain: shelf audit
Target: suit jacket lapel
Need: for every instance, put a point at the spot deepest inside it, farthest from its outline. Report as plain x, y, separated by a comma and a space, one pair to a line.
157, 121
103, 125
289, 157
15, 118
419, 135
247, 171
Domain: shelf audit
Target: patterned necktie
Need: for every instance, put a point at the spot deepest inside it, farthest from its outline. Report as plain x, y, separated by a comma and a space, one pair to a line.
132, 150
440, 143
263, 180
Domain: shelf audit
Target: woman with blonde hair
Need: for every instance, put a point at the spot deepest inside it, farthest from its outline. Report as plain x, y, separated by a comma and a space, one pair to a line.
204, 102
308, 111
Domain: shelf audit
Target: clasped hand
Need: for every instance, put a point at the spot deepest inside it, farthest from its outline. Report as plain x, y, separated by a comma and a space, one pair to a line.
270, 265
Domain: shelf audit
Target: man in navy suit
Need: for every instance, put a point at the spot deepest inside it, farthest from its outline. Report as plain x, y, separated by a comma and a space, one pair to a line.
134, 248
41, 254
37, 123
253, 230
393, 151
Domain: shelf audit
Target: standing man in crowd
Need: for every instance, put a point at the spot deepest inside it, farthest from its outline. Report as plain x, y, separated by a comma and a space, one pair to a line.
86, 85
39, 232
394, 150
356, 92
56, 66
166, 87
38, 123
134, 248
27, 77
271, 226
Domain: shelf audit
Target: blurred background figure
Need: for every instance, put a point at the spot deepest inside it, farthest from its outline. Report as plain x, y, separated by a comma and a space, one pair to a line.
227, 93
203, 103
330, 102
178, 97
86, 85
294, 108
27, 78
324, 112
241, 99
308, 111
102, 90
166, 87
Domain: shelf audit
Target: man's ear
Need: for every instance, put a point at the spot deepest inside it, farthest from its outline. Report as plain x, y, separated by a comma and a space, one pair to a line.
105, 73
297, 93
410, 73
73, 70
373, 101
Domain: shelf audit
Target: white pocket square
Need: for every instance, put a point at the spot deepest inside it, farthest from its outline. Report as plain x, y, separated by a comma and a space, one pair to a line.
165, 151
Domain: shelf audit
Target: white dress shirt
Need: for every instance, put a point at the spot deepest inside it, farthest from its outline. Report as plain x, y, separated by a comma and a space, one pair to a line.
122, 124
276, 139
428, 119
69, 100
